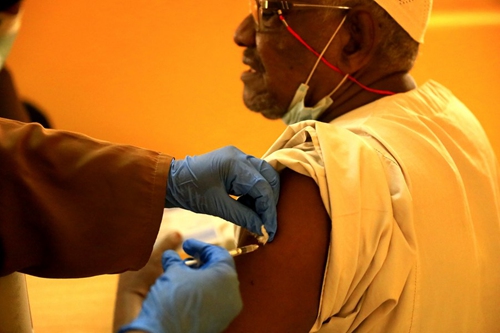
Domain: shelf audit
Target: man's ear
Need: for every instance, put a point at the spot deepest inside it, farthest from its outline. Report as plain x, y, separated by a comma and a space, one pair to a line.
359, 47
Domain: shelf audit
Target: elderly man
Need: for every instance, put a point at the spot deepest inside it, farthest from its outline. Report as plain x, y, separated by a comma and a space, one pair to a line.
407, 196
389, 207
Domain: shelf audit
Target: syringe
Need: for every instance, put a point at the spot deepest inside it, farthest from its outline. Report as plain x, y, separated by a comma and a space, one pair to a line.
236, 252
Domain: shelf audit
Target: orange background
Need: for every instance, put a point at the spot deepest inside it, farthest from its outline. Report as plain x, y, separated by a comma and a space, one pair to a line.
165, 76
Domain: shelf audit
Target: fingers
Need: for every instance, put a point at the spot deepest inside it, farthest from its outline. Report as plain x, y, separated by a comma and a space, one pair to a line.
261, 194
240, 213
268, 214
264, 206
270, 175
169, 258
193, 246
208, 253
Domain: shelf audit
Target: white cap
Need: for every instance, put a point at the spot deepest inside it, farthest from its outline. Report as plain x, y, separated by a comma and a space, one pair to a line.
411, 15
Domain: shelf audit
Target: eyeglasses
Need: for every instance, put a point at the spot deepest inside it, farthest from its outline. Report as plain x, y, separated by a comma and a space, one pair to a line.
265, 12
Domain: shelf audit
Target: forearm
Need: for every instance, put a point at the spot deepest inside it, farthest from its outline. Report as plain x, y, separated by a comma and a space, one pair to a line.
10, 105
73, 206
133, 286
127, 305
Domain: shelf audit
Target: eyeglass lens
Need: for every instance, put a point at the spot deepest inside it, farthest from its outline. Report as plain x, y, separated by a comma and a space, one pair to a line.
254, 10
265, 19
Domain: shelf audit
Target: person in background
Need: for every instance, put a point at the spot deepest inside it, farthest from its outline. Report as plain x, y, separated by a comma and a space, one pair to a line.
74, 206
389, 207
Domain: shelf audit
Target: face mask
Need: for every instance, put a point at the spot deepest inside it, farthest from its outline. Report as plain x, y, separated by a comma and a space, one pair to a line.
297, 111
9, 27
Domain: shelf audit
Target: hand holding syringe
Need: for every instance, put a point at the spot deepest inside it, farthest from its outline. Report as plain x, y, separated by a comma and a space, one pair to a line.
209, 296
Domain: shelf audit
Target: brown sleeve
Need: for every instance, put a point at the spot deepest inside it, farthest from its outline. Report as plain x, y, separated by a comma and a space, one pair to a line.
72, 206
281, 282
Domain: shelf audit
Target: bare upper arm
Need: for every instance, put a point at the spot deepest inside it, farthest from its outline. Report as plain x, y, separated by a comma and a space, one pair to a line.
281, 282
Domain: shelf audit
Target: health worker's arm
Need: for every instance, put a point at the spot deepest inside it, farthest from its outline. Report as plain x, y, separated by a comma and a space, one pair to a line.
72, 206
281, 282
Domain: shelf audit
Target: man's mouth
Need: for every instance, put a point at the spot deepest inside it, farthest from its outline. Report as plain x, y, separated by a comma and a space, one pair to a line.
250, 59
251, 65
251, 73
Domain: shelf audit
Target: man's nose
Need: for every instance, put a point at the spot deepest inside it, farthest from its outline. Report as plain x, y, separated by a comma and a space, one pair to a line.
245, 33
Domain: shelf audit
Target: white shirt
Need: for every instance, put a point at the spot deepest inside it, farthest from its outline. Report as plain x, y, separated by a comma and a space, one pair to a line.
411, 185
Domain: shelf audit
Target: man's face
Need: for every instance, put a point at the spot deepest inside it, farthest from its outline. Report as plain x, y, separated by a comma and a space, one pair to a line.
279, 63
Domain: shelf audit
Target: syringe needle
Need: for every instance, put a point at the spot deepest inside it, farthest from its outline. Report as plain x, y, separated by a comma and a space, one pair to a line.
233, 253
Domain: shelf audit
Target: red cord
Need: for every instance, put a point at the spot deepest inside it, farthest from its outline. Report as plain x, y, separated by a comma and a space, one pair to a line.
377, 91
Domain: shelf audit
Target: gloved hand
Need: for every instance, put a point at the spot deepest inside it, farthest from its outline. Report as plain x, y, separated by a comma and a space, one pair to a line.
202, 184
192, 300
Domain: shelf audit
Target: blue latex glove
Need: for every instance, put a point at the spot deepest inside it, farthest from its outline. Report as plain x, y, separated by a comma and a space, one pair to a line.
202, 184
192, 300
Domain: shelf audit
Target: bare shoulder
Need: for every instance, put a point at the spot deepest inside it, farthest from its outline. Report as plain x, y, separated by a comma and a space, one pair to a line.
281, 282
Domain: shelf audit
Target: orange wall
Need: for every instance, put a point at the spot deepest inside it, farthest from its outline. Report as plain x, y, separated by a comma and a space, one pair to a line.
165, 75
461, 51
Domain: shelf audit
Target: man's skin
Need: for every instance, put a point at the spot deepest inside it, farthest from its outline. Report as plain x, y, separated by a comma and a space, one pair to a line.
281, 282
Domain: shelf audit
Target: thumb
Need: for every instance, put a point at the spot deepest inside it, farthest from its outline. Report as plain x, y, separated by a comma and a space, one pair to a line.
169, 258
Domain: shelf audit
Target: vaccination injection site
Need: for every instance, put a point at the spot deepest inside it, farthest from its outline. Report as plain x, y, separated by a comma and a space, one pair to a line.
254, 166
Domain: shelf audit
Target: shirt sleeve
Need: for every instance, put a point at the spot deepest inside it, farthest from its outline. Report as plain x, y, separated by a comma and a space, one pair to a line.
369, 269
73, 206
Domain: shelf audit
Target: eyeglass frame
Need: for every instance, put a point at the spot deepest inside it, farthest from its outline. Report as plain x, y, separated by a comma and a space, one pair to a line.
257, 7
